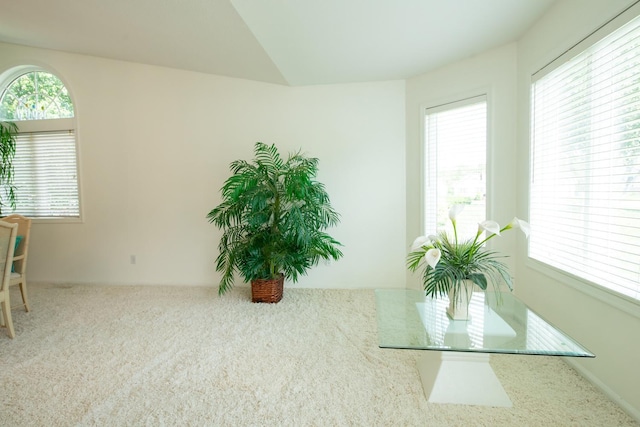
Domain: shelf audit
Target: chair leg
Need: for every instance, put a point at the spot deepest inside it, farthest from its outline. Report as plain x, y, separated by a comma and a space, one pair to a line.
23, 291
6, 314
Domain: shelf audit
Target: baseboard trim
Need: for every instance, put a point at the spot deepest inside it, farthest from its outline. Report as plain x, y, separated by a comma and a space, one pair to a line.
615, 397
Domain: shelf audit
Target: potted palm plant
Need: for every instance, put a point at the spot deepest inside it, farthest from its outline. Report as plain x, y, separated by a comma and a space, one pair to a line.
273, 215
453, 266
8, 132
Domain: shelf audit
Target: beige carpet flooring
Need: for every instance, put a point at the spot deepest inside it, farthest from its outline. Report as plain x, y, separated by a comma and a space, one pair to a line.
171, 356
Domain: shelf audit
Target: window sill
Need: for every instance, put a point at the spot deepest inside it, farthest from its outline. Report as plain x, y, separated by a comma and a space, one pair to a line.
627, 304
43, 220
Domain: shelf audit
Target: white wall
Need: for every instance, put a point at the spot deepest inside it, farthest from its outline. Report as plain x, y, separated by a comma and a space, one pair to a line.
607, 330
155, 145
492, 73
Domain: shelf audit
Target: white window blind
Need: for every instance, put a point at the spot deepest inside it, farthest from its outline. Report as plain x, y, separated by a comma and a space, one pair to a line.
585, 172
455, 164
45, 174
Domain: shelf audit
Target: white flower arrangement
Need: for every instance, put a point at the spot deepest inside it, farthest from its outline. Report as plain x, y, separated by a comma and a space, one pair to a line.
448, 261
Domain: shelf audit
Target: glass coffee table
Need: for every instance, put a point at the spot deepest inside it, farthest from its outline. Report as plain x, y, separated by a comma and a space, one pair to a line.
457, 369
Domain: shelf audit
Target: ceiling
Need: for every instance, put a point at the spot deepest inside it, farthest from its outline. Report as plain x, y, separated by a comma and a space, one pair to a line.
290, 42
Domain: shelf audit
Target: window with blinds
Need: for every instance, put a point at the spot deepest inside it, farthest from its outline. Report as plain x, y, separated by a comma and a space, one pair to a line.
585, 171
45, 163
45, 174
455, 153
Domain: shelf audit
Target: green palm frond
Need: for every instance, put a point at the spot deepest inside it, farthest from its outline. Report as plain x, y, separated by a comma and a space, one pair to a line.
8, 133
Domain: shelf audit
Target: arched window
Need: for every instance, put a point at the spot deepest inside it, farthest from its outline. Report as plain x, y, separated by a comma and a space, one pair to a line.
45, 164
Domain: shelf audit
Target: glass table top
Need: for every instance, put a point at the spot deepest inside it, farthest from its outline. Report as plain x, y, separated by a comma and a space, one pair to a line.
500, 323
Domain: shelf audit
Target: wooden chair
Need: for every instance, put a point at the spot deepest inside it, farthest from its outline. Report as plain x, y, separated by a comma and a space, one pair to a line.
19, 270
8, 233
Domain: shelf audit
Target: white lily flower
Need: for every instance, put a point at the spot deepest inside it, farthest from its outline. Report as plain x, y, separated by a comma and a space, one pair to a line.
490, 226
432, 257
454, 211
420, 242
434, 238
522, 225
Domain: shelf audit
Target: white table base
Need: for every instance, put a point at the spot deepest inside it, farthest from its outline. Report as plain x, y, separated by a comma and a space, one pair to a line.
464, 378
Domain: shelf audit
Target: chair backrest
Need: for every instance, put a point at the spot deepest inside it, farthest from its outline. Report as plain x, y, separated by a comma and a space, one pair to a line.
8, 233
24, 230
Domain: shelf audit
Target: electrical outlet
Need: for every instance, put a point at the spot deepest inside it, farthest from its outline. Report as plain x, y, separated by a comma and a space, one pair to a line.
133, 259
